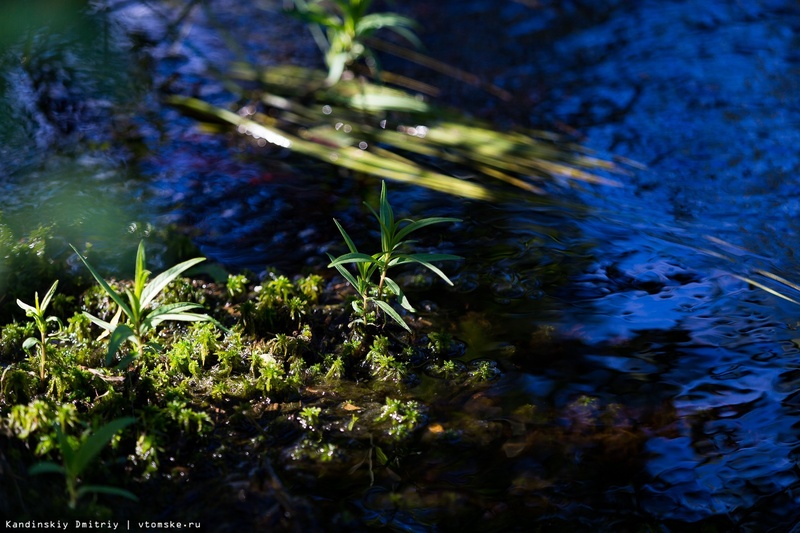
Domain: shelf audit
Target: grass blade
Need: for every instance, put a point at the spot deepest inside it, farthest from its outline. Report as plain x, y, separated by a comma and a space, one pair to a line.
106, 287
104, 489
121, 333
389, 310
158, 283
96, 442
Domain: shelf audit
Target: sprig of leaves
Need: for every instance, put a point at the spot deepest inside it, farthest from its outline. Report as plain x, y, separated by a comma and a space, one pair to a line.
347, 25
393, 241
141, 321
37, 312
77, 457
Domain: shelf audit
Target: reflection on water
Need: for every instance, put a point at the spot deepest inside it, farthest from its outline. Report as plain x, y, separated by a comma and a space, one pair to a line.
641, 384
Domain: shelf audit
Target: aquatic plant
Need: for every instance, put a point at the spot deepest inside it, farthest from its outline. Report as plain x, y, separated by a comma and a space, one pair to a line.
37, 313
404, 416
393, 240
140, 320
77, 457
439, 343
347, 126
347, 25
236, 285
309, 417
383, 364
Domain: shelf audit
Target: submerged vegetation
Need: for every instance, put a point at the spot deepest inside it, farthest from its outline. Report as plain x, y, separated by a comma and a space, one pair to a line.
353, 118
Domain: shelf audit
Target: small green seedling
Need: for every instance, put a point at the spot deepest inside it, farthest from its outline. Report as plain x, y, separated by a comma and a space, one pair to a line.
37, 312
237, 285
142, 321
393, 240
347, 25
76, 459
309, 417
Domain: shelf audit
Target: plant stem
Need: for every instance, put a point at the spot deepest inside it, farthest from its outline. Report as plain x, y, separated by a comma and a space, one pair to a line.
44, 353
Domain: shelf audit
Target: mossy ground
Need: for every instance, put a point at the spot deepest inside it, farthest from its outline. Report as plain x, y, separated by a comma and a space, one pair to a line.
292, 383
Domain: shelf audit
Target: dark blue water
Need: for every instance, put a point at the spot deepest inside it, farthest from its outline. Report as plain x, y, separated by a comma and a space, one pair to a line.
643, 384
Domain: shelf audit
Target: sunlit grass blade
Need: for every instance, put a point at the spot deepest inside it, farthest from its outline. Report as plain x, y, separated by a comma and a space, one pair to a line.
158, 283
398, 168
99, 322
140, 273
779, 279
106, 287
49, 296
765, 288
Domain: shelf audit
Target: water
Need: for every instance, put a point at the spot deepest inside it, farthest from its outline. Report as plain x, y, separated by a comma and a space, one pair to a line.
642, 384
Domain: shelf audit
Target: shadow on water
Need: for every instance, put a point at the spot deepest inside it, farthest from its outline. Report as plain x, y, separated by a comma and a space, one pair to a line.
639, 384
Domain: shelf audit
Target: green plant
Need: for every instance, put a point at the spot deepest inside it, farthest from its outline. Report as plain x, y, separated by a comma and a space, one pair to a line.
335, 369
448, 369
142, 321
311, 287
309, 417
236, 285
37, 312
483, 371
404, 417
347, 24
77, 457
393, 240
439, 343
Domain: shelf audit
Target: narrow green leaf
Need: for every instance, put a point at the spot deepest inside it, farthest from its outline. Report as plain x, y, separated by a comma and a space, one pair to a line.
355, 257
106, 287
408, 35
105, 489
347, 276
30, 342
135, 306
126, 361
47, 297
141, 273
90, 448
389, 310
67, 452
177, 307
121, 333
46, 467
431, 257
401, 297
154, 321
102, 323
381, 456
429, 266
29, 309
350, 244
158, 283
415, 225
